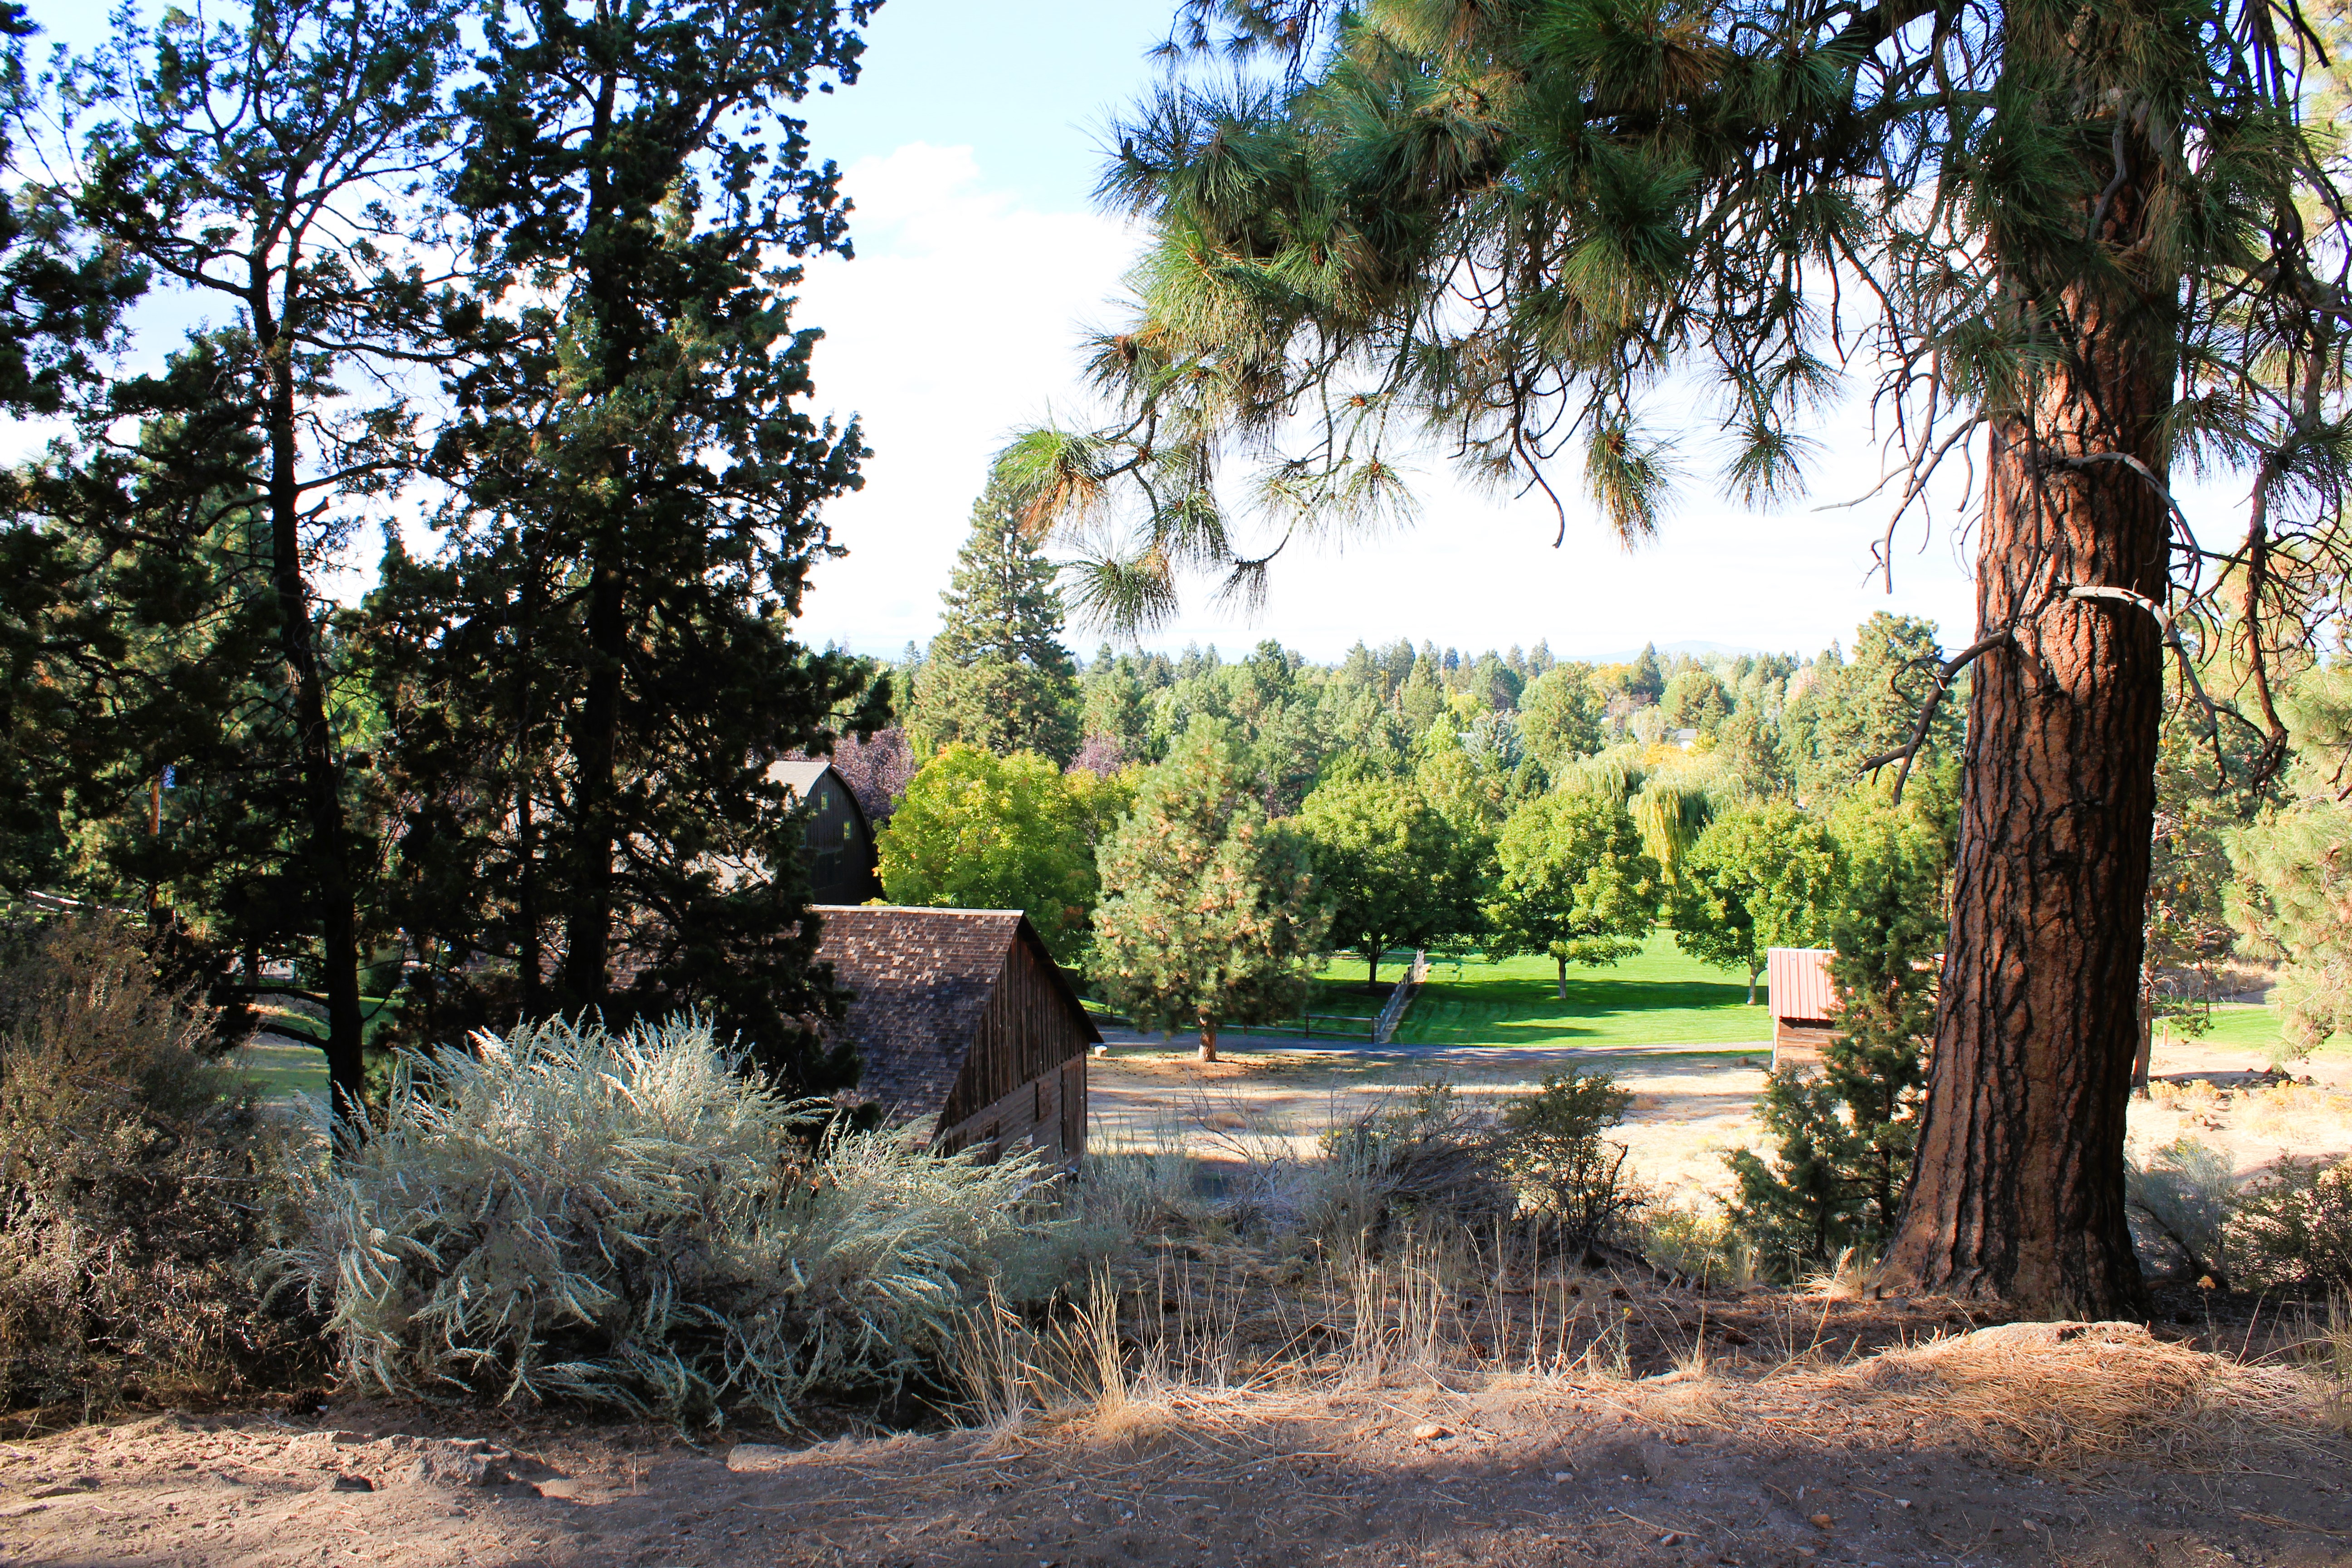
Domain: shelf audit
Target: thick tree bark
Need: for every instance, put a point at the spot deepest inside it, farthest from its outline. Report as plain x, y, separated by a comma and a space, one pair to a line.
1208, 1037
2019, 1190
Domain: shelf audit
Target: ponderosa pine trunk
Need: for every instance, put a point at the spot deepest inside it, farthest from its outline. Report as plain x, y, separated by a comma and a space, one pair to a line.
2019, 1190
588, 925
1208, 1037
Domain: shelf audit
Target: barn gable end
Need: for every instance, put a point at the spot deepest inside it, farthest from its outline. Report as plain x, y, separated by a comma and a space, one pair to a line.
837, 845
966, 1028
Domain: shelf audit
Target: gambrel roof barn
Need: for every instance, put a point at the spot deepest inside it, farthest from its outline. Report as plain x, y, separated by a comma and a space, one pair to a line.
837, 841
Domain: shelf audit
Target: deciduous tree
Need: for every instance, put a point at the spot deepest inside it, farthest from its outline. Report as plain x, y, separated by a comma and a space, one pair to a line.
1394, 871
1573, 882
978, 831
1761, 876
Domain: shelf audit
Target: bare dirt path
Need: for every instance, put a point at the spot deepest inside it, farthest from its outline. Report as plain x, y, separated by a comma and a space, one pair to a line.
1691, 1104
1397, 1473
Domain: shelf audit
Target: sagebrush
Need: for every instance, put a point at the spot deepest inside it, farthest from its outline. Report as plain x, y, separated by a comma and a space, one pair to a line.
626, 1219
2292, 1230
133, 1182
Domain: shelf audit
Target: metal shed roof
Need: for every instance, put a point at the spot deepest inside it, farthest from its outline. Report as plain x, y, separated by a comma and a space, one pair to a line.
1799, 982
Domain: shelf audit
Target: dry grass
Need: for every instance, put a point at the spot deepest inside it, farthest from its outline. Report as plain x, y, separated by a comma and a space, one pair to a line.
2293, 1112
2052, 1393
2195, 1095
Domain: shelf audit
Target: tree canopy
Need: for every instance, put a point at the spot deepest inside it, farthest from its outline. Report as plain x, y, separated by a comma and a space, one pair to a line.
977, 831
1393, 870
1574, 882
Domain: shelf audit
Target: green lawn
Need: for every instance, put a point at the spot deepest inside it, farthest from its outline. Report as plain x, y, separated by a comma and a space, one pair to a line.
2254, 1028
284, 1071
1661, 997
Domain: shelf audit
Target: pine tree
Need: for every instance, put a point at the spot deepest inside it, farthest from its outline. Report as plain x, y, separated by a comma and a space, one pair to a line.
235, 159
1209, 915
637, 489
2093, 240
1848, 1137
998, 677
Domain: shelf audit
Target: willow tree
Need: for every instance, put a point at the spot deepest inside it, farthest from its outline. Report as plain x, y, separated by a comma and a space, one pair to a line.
2080, 246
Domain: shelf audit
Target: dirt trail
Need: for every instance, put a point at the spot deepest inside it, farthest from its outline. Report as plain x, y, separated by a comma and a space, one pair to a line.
1691, 1103
1496, 1470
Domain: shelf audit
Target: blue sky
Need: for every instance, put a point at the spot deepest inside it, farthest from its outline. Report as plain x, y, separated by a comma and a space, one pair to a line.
1026, 84
970, 146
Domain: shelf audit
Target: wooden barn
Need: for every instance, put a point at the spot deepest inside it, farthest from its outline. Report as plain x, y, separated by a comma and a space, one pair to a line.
838, 843
966, 1026
1803, 1001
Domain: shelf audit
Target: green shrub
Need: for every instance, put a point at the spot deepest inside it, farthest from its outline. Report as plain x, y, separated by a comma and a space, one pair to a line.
2293, 1229
626, 1220
131, 1187
2182, 1198
1553, 1149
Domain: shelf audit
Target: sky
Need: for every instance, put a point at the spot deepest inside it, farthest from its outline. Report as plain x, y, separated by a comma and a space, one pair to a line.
971, 146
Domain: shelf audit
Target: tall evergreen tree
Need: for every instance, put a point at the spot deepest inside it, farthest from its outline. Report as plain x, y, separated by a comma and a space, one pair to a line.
638, 487
2094, 239
998, 677
273, 166
1646, 682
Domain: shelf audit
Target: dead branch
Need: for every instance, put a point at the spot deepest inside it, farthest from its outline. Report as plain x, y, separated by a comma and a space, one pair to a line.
1945, 673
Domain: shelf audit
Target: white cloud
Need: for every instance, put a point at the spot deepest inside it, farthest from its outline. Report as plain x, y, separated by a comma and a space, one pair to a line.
955, 324
958, 322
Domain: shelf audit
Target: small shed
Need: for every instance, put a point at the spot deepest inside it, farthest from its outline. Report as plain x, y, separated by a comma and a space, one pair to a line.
837, 842
1803, 1000
966, 1026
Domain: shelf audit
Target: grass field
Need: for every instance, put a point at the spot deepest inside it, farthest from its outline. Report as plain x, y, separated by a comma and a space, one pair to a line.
284, 1071
1661, 997
2255, 1028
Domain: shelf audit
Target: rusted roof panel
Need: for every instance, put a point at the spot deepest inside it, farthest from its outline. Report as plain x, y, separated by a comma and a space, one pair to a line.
1797, 982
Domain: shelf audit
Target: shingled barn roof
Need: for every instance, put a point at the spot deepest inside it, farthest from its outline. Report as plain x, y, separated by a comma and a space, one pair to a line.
922, 979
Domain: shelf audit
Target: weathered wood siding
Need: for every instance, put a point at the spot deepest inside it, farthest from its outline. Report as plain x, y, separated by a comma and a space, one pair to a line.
1800, 1043
1025, 1075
